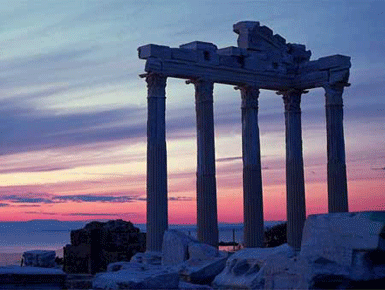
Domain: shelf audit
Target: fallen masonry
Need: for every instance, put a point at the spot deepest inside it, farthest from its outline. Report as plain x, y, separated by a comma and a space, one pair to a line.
39, 258
339, 250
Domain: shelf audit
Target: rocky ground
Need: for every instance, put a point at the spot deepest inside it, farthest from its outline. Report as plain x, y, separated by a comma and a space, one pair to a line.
338, 251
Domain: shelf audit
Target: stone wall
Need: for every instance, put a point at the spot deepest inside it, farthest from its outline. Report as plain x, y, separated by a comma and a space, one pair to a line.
98, 244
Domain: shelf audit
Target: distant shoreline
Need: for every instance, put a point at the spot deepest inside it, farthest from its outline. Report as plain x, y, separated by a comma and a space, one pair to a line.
18, 237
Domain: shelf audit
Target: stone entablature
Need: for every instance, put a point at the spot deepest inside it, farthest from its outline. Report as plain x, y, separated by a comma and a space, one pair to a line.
262, 60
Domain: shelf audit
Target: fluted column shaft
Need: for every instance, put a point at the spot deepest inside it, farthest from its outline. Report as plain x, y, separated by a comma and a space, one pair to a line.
337, 183
157, 214
207, 220
252, 175
295, 185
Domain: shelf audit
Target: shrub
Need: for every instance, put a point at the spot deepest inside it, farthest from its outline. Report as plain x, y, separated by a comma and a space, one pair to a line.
276, 236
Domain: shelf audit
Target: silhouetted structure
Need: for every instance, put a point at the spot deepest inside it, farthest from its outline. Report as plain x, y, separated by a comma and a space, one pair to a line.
261, 61
99, 244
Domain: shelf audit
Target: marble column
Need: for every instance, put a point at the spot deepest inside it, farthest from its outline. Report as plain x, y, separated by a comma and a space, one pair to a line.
207, 220
252, 175
157, 215
295, 185
337, 183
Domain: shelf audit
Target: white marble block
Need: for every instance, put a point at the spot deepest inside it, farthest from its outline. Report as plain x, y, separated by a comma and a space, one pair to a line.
39, 258
175, 247
335, 236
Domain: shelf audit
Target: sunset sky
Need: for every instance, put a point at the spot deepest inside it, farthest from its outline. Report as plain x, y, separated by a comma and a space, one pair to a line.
73, 108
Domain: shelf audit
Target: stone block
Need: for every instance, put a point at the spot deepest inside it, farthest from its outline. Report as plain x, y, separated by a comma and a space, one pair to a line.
153, 65
77, 258
265, 31
312, 79
101, 243
137, 276
117, 266
257, 62
152, 258
206, 52
231, 61
299, 52
280, 39
283, 271
335, 236
202, 251
244, 29
184, 54
202, 271
334, 61
199, 45
309, 66
153, 50
38, 258
338, 76
80, 237
175, 247
231, 51
243, 268
245, 25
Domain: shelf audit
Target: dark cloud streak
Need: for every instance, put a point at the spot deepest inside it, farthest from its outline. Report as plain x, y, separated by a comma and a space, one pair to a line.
95, 198
229, 159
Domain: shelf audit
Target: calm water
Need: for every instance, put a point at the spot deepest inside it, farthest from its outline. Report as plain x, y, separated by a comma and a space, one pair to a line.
17, 237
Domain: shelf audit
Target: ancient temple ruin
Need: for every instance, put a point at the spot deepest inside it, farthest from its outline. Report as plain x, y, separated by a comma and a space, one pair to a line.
262, 60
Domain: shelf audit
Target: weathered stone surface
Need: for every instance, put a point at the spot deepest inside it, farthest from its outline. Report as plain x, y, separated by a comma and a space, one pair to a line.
202, 271
333, 61
243, 268
77, 258
337, 236
153, 50
99, 244
137, 276
339, 250
175, 247
38, 258
117, 266
202, 251
150, 258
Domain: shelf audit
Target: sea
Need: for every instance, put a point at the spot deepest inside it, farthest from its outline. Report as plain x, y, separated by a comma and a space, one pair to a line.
18, 237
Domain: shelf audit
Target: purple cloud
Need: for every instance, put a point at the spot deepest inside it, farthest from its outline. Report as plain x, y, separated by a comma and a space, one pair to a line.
24, 199
95, 198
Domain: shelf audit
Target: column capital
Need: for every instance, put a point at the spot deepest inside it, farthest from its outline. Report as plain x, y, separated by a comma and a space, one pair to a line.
156, 84
292, 99
333, 94
250, 95
203, 90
